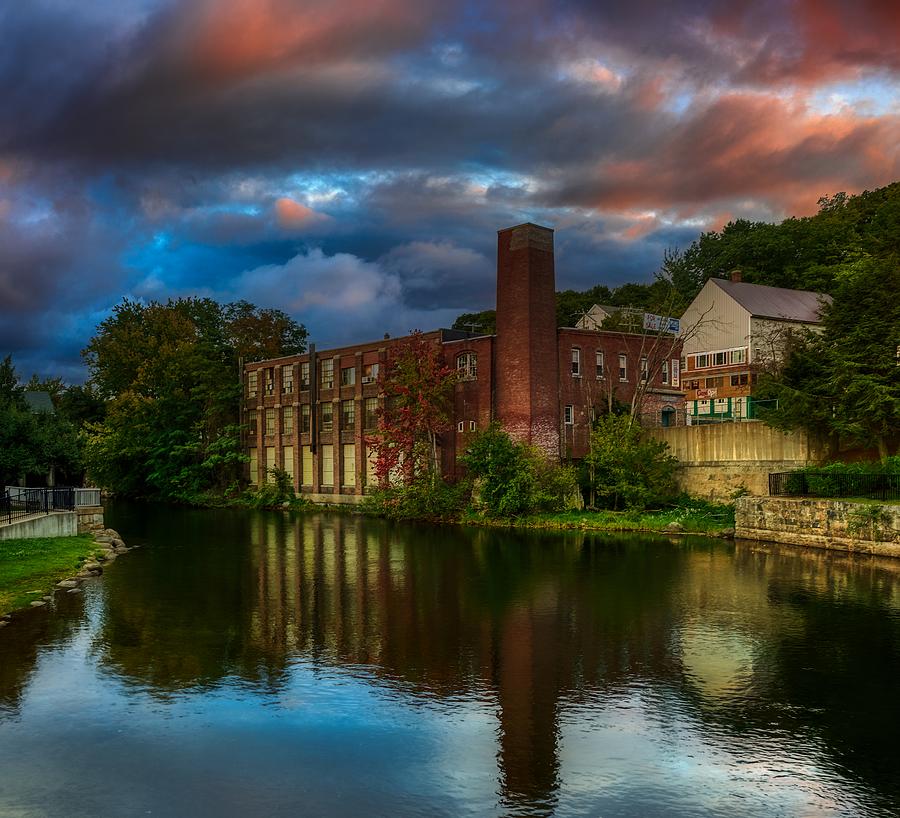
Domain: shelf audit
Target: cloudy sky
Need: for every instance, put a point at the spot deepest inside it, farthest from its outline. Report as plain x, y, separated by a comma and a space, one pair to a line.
349, 161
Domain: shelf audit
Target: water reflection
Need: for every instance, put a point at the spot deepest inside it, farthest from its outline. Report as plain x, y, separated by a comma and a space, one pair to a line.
601, 659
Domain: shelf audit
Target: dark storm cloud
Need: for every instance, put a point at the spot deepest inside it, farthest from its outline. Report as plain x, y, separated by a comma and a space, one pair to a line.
353, 160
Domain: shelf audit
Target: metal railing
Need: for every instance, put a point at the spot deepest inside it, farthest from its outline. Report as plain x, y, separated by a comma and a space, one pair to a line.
17, 502
875, 486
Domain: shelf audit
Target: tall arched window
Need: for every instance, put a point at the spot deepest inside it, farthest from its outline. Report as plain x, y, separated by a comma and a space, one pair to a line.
467, 366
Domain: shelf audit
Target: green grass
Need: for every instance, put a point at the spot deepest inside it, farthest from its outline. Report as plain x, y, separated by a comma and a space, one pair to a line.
708, 519
30, 568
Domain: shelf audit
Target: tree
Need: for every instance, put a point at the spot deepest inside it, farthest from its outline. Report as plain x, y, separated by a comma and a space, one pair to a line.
628, 468
845, 383
417, 386
168, 374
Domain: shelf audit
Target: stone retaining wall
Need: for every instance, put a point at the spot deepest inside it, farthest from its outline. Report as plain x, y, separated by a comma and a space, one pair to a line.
90, 518
840, 525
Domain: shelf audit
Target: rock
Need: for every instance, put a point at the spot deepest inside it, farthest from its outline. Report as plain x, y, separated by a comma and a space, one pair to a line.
67, 583
101, 557
74, 591
47, 598
118, 543
3, 623
103, 539
113, 533
673, 526
38, 603
728, 533
92, 566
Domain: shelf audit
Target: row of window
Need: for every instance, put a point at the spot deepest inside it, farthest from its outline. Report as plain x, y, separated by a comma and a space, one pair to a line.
725, 357
326, 417
739, 379
347, 377
600, 366
306, 465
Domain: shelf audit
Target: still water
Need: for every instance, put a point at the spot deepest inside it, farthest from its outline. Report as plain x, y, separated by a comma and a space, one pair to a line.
261, 664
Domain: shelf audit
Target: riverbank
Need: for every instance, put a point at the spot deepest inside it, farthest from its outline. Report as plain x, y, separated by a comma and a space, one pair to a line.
29, 569
716, 521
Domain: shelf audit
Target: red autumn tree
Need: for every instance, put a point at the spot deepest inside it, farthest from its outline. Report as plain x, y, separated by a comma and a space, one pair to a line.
417, 387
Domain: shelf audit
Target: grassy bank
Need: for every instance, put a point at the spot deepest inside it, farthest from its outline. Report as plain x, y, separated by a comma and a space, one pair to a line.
30, 568
713, 520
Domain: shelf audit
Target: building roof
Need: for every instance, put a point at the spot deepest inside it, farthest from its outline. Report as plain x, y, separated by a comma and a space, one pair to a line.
775, 302
39, 402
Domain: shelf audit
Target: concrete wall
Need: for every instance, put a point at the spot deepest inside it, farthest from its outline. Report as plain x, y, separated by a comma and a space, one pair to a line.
834, 524
721, 459
56, 524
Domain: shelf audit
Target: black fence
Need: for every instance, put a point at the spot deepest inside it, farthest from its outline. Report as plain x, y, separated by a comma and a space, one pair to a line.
17, 503
875, 486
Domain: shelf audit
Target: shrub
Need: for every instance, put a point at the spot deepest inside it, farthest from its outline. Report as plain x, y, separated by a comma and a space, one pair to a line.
422, 499
512, 479
277, 492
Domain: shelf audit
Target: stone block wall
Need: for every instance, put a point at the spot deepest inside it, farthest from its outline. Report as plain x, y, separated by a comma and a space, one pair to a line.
870, 528
90, 519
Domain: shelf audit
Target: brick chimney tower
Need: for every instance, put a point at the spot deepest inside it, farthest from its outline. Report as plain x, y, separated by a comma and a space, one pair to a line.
526, 400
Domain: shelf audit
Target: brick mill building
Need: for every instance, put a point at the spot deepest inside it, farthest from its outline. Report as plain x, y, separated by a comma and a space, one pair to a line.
312, 414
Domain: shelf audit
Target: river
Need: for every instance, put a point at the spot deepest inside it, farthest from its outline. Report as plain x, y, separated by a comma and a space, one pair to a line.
262, 664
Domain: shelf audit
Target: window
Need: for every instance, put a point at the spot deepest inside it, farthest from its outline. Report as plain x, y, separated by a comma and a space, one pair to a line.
720, 358
665, 371
471, 425
712, 383
252, 421
569, 414
327, 416
305, 418
623, 367
270, 464
287, 379
683, 364
254, 467
576, 362
370, 373
370, 413
348, 376
601, 370
693, 384
740, 380
348, 414
644, 372
270, 421
467, 366
304, 375
327, 459
739, 356
251, 384
702, 362
461, 426
328, 374
287, 420
287, 458
348, 460
270, 381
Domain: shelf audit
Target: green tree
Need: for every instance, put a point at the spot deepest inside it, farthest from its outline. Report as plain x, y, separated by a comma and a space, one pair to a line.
169, 376
626, 467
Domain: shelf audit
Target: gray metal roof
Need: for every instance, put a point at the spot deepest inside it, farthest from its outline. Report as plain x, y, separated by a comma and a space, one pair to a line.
39, 402
775, 302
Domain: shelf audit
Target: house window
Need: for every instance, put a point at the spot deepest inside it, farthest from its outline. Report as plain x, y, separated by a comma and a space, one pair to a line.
304, 375
471, 425
467, 366
327, 416
305, 417
370, 373
739, 356
328, 374
270, 381
601, 371
693, 385
702, 362
644, 372
576, 362
287, 379
270, 421
665, 371
370, 413
348, 414
348, 376
623, 367
740, 380
569, 414
287, 420
251, 384
683, 364
720, 358
252, 421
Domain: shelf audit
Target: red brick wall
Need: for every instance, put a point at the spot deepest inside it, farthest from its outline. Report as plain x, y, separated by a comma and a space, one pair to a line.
526, 358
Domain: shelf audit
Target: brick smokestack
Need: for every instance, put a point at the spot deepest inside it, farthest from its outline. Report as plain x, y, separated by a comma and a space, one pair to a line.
527, 361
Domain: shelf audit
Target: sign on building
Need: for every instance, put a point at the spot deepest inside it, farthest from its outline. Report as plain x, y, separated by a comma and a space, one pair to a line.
657, 323
676, 372
706, 394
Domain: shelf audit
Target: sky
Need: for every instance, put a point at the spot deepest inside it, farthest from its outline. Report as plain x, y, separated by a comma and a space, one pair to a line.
350, 161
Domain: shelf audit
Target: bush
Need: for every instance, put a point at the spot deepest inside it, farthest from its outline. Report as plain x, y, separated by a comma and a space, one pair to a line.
422, 499
625, 468
836, 479
512, 479
273, 494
